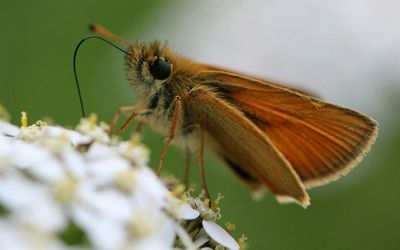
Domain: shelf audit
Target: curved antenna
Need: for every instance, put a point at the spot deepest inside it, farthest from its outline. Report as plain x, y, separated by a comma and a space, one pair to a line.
103, 32
74, 64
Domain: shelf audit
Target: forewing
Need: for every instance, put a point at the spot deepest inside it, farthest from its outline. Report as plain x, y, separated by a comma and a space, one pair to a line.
322, 141
207, 67
244, 143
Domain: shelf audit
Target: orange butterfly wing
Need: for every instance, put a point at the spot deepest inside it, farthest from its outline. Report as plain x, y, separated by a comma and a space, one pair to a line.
239, 139
206, 67
322, 141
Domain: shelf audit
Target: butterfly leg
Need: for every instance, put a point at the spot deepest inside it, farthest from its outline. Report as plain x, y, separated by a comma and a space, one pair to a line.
124, 109
176, 117
133, 113
201, 164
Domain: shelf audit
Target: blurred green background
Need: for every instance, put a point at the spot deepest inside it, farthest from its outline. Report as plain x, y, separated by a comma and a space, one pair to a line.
361, 211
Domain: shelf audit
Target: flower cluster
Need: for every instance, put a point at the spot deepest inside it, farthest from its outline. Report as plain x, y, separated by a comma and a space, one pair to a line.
82, 189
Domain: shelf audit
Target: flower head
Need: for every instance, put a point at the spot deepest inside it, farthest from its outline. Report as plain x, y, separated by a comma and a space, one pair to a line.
54, 195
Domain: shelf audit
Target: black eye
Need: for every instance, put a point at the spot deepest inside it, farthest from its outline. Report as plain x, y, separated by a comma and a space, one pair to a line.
160, 69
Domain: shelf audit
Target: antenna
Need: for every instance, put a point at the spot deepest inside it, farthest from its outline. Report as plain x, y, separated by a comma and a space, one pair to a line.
105, 33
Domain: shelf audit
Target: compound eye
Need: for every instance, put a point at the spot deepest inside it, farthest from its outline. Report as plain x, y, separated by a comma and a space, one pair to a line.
160, 69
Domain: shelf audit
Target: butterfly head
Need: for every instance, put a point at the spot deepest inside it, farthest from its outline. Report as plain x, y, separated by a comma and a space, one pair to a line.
149, 64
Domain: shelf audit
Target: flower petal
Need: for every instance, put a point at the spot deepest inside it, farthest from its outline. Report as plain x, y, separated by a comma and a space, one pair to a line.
200, 241
103, 233
109, 204
98, 151
37, 161
56, 131
103, 171
186, 212
8, 129
184, 237
31, 203
148, 187
220, 235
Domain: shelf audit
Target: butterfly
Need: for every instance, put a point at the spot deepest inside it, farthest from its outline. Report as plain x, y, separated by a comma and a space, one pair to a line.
271, 136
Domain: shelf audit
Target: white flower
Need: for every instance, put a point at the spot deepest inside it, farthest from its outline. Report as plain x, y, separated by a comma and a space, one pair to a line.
53, 179
74, 163
151, 229
17, 237
148, 189
109, 204
98, 150
74, 137
39, 162
8, 129
219, 234
30, 202
185, 238
205, 210
200, 241
137, 153
102, 232
104, 171
89, 128
185, 212
29, 133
